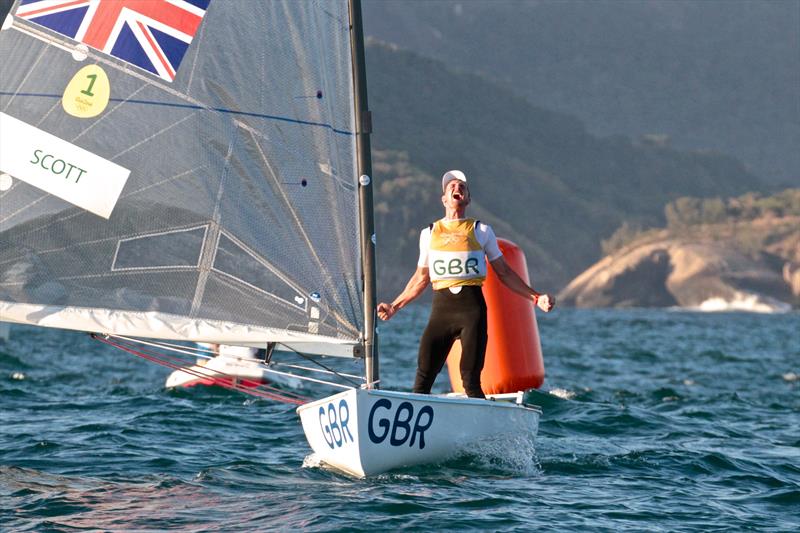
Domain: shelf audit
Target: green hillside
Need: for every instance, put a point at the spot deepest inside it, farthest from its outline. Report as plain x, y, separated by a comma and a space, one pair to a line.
751, 222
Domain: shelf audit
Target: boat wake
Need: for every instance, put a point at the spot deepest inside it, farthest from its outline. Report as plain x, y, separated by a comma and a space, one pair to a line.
313, 460
564, 394
513, 454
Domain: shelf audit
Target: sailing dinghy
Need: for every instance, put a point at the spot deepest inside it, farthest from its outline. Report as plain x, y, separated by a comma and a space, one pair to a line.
183, 171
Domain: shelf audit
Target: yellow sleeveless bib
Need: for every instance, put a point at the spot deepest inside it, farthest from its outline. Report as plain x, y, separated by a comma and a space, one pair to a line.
455, 258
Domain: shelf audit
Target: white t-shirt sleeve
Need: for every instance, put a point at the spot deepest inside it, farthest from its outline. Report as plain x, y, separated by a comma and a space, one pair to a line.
424, 246
488, 240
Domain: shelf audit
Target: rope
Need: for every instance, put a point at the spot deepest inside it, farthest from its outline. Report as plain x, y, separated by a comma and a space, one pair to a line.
246, 386
196, 352
343, 377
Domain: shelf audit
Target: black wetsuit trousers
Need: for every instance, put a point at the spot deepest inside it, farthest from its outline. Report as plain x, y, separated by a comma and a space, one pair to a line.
454, 316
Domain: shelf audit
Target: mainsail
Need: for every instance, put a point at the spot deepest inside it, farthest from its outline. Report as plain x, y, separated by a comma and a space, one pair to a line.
181, 169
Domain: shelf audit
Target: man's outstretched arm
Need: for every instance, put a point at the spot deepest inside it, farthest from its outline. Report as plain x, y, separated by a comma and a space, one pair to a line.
415, 286
510, 279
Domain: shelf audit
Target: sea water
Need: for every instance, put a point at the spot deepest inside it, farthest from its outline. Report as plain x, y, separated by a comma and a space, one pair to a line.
653, 420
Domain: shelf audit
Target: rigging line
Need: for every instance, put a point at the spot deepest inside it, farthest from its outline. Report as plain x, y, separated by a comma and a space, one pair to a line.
306, 378
172, 361
308, 369
196, 371
199, 371
162, 360
180, 348
222, 110
278, 395
195, 353
332, 371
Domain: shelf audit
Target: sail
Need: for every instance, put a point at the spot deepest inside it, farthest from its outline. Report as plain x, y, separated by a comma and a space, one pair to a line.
181, 169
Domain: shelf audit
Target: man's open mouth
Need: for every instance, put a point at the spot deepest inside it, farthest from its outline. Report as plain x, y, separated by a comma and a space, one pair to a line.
457, 196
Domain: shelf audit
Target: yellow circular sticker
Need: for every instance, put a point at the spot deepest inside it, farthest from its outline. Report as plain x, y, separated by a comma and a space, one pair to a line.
87, 93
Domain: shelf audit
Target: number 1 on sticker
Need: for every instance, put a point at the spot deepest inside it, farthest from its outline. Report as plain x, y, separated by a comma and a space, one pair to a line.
88, 90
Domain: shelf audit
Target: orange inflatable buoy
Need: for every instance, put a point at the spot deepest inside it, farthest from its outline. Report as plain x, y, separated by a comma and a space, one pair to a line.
514, 353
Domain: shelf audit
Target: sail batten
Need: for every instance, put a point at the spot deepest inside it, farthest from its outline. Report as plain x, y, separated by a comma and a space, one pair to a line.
238, 201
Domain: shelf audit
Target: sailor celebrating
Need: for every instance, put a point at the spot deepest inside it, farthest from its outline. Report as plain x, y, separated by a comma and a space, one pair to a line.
453, 254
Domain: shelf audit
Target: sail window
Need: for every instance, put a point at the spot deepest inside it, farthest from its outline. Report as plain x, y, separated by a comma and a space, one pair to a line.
166, 249
234, 260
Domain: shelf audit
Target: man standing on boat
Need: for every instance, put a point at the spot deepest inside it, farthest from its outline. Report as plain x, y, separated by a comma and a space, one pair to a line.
453, 253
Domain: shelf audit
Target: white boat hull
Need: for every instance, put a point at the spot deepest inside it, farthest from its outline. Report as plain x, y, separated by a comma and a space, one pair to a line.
226, 371
217, 369
366, 432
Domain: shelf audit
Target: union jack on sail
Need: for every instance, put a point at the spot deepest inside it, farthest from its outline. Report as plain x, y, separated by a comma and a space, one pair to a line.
151, 34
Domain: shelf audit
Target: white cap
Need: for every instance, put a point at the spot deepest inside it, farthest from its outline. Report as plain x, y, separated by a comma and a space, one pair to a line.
451, 175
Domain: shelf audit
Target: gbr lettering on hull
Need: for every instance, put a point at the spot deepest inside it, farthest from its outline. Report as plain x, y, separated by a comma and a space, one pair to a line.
397, 426
333, 424
383, 423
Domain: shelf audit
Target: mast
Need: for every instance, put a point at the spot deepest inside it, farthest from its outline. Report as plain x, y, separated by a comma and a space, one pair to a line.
363, 121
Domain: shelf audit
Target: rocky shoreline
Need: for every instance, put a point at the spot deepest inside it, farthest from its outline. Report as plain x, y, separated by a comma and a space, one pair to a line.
703, 271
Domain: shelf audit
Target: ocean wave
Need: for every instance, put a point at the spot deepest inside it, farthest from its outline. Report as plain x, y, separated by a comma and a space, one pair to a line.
753, 303
12, 362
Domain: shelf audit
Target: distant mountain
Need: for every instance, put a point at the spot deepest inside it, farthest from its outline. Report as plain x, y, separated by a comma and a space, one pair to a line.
722, 75
551, 184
